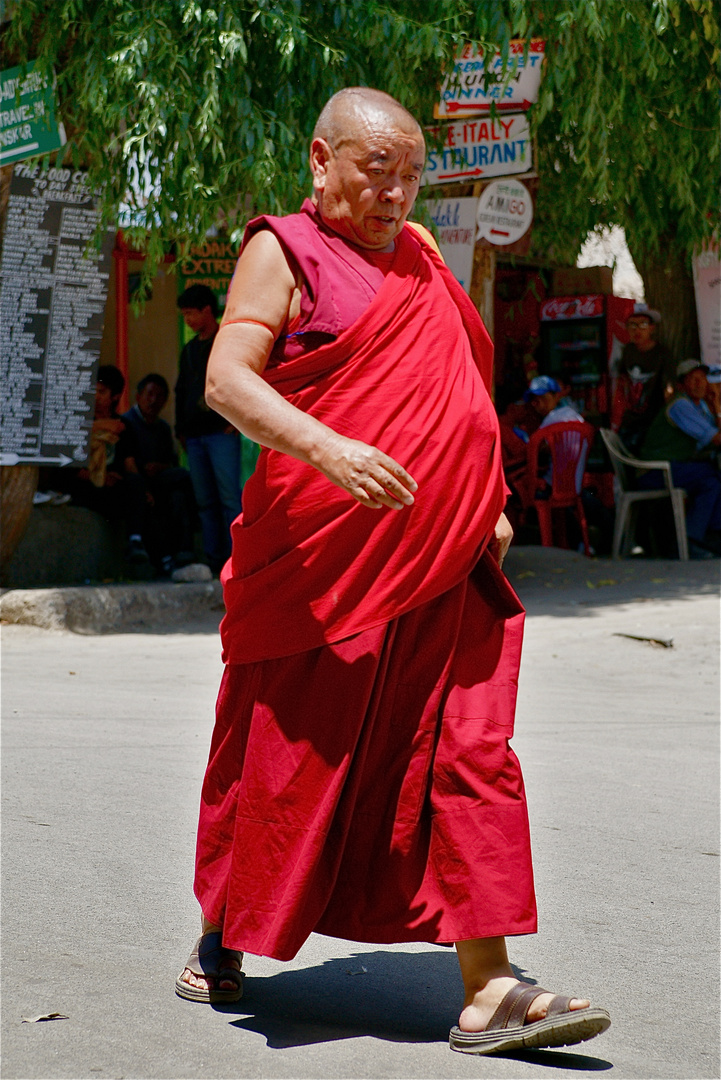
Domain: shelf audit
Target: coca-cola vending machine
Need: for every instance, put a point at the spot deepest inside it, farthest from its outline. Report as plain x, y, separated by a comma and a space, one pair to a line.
581, 341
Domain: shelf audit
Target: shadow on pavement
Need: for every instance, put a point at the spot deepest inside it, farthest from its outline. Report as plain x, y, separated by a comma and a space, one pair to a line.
551, 581
396, 996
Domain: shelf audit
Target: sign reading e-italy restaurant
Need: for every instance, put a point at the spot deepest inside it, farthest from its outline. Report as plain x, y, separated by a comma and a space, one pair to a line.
53, 289
27, 115
475, 149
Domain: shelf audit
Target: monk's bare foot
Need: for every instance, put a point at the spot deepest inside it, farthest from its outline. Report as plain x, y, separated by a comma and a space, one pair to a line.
480, 1008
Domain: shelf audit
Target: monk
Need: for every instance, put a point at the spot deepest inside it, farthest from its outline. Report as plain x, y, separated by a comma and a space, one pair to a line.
360, 782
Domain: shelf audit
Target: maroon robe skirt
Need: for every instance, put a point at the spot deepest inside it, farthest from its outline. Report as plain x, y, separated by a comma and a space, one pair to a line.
366, 789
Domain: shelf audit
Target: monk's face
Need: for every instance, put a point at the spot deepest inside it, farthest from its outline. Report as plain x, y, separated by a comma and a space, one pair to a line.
365, 188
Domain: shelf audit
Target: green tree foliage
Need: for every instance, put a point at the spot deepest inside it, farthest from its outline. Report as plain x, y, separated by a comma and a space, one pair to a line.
627, 124
209, 103
212, 103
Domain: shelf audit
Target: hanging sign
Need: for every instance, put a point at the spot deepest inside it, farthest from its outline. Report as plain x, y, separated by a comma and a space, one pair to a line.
505, 212
479, 148
455, 220
53, 289
211, 263
27, 115
475, 84
707, 286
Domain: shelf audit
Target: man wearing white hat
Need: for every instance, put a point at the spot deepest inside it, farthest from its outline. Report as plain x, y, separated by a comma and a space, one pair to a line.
645, 371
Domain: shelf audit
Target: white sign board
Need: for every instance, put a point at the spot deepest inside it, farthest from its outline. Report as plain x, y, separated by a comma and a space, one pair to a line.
707, 285
505, 212
474, 84
478, 148
455, 220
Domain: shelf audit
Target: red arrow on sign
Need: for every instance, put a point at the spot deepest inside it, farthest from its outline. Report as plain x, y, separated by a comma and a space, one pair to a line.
454, 176
459, 106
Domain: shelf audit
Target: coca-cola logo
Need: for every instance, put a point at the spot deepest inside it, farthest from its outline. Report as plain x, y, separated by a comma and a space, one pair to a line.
571, 307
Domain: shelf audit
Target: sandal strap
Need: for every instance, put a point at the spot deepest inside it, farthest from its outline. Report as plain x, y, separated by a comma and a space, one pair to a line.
559, 1004
210, 959
514, 1007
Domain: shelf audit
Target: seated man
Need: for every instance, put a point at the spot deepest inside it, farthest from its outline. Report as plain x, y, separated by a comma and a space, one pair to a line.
544, 395
104, 485
518, 423
168, 525
543, 398
687, 434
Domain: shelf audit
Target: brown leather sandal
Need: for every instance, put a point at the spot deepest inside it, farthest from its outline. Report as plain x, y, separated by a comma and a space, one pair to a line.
211, 961
507, 1029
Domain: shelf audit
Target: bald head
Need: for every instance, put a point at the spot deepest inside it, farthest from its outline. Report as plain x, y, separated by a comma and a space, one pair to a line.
357, 109
366, 158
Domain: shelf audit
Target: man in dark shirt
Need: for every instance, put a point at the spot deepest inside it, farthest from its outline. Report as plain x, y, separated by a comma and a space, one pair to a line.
645, 371
211, 443
168, 527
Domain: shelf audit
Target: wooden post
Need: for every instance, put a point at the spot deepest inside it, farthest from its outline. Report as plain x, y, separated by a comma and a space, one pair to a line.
483, 284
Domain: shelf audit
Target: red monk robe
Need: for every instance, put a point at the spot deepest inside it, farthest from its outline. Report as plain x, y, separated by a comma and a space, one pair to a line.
360, 781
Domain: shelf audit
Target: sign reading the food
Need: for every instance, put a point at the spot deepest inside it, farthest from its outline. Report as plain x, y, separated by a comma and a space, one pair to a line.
53, 288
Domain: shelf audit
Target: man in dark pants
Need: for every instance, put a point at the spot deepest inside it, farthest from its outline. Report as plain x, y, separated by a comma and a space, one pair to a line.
211, 443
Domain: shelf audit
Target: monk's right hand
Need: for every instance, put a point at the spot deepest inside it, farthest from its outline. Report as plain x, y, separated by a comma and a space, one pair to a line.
366, 473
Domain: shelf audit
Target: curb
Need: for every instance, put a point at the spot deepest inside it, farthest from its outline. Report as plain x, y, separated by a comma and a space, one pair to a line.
109, 609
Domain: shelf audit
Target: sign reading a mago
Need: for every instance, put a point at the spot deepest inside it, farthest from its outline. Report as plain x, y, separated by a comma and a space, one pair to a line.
53, 290
505, 212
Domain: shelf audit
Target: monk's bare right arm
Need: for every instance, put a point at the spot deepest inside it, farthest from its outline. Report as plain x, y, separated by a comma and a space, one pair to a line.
264, 289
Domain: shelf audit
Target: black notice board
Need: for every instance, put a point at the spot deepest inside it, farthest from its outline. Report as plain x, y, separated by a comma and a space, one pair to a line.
53, 292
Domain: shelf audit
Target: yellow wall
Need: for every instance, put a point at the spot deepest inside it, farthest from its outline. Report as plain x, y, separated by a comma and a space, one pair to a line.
152, 336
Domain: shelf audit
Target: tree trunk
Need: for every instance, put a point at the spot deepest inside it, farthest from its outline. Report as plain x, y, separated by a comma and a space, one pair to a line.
18, 484
668, 286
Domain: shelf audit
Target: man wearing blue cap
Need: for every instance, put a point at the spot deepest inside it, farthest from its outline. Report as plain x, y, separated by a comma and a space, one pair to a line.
539, 408
544, 394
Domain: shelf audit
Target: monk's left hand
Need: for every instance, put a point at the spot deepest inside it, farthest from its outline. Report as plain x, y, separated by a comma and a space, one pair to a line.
501, 541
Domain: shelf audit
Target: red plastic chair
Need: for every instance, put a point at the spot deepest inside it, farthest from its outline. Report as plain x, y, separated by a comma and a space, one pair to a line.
568, 444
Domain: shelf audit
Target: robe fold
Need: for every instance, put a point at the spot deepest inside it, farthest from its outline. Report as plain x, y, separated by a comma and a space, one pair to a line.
360, 781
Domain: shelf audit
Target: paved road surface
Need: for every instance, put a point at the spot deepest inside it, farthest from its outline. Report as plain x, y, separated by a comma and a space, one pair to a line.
104, 746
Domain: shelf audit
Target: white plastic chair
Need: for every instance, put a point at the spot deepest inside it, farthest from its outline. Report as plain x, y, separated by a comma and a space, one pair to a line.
627, 498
